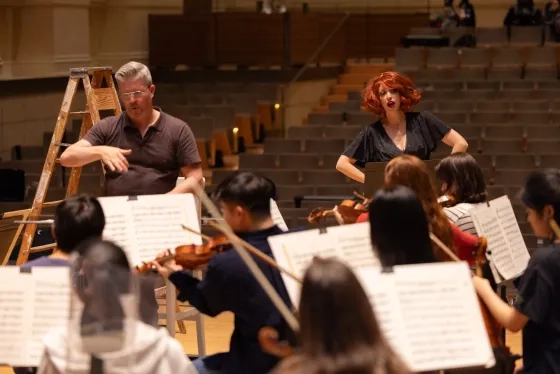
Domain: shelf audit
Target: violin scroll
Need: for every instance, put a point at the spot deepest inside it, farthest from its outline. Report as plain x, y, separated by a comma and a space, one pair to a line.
268, 339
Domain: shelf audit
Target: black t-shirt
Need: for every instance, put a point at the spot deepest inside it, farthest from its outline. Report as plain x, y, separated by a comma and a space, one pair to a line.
539, 287
423, 133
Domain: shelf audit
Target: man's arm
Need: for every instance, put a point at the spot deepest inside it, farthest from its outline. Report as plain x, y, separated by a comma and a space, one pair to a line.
83, 152
189, 172
189, 160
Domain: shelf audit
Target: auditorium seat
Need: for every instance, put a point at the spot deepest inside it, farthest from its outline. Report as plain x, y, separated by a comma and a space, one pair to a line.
491, 37
526, 36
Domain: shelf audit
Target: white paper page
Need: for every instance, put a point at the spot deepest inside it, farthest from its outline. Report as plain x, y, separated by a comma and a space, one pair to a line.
294, 251
150, 224
353, 243
441, 317
512, 232
119, 225
277, 216
158, 221
487, 224
380, 288
50, 306
15, 317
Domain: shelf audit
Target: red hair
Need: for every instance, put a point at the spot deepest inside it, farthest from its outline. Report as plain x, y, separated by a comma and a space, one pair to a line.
410, 96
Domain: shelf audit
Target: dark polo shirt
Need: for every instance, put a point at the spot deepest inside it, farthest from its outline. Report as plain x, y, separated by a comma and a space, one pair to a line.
156, 159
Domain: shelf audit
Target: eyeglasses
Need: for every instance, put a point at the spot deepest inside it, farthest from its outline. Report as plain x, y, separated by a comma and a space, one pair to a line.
136, 95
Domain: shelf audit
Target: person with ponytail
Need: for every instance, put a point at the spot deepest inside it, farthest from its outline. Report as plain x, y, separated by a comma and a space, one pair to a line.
536, 310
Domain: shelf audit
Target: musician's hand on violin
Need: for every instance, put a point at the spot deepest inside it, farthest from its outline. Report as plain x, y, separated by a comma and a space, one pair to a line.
480, 284
338, 216
167, 267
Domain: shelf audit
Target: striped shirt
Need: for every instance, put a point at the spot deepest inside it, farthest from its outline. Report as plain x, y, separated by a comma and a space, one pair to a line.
460, 216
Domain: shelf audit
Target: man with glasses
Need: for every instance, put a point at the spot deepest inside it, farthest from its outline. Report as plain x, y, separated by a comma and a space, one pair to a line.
144, 149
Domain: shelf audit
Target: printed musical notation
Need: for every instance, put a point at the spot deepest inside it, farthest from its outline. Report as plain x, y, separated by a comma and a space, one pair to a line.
508, 252
430, 315
31, 304
150, 224
294, 251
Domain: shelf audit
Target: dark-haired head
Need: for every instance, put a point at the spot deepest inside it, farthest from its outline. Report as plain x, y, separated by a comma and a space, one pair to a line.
244, 198
338, 329
461, 176
390, 210
76, 219
541, 197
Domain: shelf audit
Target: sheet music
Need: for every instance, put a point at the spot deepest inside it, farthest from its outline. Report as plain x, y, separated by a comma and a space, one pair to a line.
512, 232
31, 304
508, 252
150, 224
50, 306
277, 216
430, 315
294, 251
14, 316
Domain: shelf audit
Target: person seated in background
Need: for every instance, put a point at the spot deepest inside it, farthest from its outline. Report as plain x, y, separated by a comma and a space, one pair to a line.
466, 16
229, 285
268, 6
552, 19
108, 331
523, 13
339, 332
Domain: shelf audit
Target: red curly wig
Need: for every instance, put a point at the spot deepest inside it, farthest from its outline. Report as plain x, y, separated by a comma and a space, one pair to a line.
410, 96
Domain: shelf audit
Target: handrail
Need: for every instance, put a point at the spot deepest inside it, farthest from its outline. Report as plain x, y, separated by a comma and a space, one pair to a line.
319, 49
302, 70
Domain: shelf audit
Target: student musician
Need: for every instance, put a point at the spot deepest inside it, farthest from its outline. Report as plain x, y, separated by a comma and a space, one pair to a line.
229, 285
338, 329
399, 130
106, 333
75, 219
537, 307
391, 209
463, 188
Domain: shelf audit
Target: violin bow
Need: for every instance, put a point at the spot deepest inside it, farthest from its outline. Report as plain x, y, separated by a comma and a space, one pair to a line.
269, 260
246, 257
445, 248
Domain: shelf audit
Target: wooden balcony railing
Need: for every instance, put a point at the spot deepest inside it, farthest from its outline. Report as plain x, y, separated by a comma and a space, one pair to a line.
248, 39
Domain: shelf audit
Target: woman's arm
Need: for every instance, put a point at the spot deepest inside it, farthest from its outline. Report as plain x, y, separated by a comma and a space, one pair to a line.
507, 316
346, 166
456, 141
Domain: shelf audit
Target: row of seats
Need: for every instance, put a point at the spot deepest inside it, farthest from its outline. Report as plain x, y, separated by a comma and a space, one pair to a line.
492, 36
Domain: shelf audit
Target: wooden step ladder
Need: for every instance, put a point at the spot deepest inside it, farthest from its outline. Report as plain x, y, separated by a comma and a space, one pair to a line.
97, 98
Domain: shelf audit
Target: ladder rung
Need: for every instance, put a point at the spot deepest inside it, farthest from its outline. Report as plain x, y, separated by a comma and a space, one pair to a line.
79, 113
50, 204
42, 248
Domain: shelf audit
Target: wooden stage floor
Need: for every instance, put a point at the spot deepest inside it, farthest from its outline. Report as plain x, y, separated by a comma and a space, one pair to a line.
218, 331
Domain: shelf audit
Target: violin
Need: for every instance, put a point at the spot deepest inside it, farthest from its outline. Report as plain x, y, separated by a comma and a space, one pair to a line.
268, 339
350, 210
192, 256
447, 201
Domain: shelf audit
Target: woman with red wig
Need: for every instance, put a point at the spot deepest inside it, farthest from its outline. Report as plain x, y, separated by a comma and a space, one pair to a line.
399, 130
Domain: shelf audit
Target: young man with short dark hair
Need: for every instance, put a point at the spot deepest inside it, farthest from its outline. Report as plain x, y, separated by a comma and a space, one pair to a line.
229, 285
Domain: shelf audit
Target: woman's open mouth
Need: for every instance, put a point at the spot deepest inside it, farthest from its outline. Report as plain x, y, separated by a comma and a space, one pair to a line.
390, 104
